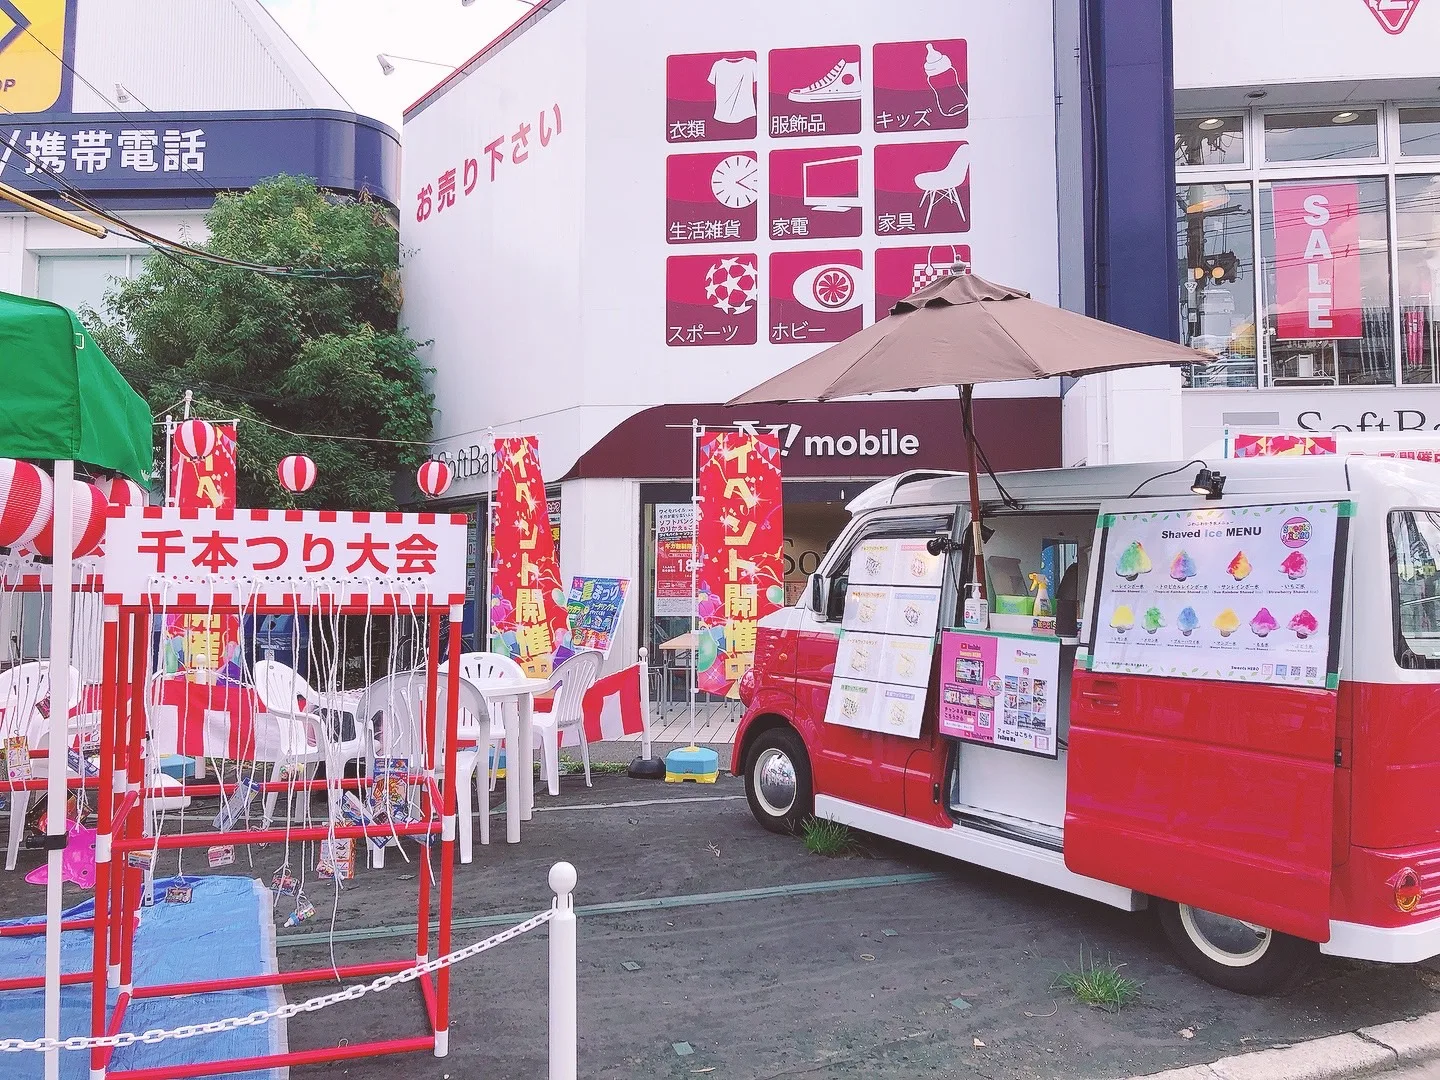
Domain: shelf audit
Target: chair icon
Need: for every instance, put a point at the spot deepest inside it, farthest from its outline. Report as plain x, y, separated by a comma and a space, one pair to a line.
945, 183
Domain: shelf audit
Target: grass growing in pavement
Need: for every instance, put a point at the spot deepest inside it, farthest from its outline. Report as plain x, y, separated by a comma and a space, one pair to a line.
1099, 984
825, 837
597, 768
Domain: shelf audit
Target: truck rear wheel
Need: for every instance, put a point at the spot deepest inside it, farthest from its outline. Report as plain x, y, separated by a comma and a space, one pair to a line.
777, 780
1232, 954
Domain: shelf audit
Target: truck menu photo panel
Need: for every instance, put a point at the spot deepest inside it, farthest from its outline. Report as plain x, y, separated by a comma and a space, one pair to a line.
1237, 593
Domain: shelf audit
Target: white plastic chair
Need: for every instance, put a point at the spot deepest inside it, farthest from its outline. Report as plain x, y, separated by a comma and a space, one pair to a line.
21, 689
945, 183
485, 667
477, 726
293, 728
575, 675
392, 711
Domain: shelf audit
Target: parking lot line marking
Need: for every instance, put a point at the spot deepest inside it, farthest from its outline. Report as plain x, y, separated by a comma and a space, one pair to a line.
619, 907
636, 802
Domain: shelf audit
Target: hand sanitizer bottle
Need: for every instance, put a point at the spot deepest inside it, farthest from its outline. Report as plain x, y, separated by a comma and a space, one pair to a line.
977, 614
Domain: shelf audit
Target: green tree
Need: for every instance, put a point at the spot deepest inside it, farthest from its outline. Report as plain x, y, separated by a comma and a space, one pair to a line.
317, 354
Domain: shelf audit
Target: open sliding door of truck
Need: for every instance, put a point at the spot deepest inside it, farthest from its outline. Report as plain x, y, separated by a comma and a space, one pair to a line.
1202, 715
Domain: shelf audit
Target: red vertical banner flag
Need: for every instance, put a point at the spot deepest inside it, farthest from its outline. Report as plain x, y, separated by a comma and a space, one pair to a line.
208, 483
528, 605
1317, 261
740, 537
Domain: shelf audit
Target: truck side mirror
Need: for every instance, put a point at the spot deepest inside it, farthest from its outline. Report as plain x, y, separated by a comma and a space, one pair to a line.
817, 594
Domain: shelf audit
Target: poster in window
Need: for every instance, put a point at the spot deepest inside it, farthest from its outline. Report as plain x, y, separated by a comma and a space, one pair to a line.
1234, 593
1000, 690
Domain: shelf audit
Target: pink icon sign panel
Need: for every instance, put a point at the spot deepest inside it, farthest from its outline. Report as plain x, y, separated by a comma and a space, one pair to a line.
902, 271
815, 296
815, 91
922, 188
710, 197
921, 86
710, 96
815, 192
711, 300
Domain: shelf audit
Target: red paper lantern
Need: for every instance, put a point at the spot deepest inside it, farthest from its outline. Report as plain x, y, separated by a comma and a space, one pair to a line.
195, 439
297, 473
122, 491
87, 523
434, 478
27, 501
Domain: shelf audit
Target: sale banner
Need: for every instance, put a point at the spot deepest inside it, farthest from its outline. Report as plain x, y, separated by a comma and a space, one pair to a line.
815, 296
207, 483
740, 542
815, 193
815, 91
528, 609
1317, 261
710, 197
711, 300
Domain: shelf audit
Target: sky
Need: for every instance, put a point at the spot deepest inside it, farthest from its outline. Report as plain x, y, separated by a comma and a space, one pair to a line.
342, 37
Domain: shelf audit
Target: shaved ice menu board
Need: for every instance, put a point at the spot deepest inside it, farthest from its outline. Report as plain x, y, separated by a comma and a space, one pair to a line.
1236, 593
887, 640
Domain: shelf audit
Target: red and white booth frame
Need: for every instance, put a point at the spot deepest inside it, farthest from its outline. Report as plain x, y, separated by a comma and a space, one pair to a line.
286, 580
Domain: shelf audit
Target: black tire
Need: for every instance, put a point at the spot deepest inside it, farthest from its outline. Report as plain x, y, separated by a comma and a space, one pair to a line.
1225, 960
776, 755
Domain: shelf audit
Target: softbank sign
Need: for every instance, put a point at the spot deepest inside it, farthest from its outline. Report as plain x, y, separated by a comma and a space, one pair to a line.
888, 442
1317, 261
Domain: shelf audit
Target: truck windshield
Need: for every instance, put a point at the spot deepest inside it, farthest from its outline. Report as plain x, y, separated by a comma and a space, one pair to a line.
1415, 587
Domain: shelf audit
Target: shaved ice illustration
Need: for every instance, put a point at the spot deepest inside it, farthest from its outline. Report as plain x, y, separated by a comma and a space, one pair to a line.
1295, 565
873, 565
1187, 621
1263, 623
1182, 567
1239, 567
850, 707
1304, 624
919, 566
1227, 622
1133, 562
1123, 619
1154, 619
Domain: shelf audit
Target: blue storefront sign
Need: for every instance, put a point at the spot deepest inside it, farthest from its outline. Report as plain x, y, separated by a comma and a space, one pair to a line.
180, 158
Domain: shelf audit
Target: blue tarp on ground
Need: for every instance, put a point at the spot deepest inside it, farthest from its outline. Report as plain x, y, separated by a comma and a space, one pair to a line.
226, 930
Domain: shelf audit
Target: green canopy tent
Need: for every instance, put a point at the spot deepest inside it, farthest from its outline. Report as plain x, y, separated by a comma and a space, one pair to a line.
61, 400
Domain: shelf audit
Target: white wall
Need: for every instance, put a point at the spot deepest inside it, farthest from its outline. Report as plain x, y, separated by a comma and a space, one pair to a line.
1355, 408
1254, 42
1123, 416
544, 293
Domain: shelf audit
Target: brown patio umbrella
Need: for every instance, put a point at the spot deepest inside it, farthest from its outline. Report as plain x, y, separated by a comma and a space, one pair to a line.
960, 331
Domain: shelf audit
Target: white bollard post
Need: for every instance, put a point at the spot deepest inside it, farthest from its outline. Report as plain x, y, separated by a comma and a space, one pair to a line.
563, 991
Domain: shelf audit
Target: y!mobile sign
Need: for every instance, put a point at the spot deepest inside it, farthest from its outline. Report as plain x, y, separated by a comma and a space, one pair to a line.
1317, 261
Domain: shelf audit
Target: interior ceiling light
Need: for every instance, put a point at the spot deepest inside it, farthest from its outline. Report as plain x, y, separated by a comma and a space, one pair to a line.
1211, 124
1346, 117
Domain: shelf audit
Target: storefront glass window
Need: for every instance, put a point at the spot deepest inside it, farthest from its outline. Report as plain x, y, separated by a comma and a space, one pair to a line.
1417, 224
1420, 132
1334, 134
1215, 237
80, 281
1209, 140
1327, 318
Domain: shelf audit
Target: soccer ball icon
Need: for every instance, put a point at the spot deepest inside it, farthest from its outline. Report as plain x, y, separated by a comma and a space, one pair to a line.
733, 285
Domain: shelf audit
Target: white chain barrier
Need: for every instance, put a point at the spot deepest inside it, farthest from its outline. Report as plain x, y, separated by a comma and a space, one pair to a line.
285, 1012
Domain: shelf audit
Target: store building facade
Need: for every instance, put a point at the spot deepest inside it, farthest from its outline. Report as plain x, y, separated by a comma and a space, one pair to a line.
575, 194
1307, 214
152, 108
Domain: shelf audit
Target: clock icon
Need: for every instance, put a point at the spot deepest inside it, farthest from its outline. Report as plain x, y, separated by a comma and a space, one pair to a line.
736, 181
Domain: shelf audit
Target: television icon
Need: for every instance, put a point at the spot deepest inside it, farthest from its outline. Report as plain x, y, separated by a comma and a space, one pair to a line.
832, 185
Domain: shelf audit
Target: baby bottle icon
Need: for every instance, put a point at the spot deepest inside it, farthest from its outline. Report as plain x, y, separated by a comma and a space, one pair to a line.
944, 80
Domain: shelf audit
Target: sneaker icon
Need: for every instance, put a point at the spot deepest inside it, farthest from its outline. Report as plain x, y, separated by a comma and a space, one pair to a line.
841, 83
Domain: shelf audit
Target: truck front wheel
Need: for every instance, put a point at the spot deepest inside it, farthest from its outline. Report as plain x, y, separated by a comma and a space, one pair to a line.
777, 780
1232, 954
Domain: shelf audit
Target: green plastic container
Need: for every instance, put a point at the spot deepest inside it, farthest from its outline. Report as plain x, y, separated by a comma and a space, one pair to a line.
1014, 605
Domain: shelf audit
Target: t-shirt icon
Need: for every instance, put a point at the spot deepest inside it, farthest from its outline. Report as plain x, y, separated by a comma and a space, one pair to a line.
734, 82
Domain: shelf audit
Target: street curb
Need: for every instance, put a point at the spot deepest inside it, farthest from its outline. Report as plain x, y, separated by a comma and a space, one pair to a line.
1366, 1052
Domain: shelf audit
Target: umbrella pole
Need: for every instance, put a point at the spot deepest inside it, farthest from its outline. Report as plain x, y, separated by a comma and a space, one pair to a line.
967, 420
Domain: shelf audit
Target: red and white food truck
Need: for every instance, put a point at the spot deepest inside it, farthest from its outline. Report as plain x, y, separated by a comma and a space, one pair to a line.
1233, 717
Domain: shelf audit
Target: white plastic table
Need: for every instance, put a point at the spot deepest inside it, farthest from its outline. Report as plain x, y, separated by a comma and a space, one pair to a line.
516, 699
